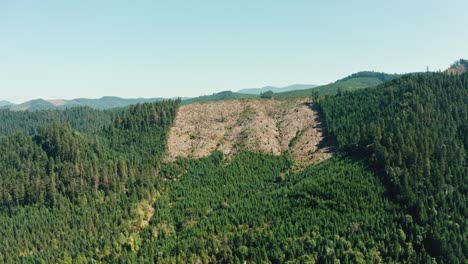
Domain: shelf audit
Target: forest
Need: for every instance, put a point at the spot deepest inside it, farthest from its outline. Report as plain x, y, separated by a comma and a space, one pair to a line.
90, 186
414, 132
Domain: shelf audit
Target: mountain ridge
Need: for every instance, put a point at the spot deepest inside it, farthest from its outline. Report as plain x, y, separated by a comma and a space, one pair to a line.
275, 89
355, 81
4, 103
105, 102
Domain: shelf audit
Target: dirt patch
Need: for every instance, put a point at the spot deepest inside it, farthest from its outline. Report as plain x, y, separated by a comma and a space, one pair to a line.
269, 126
57, 102
456, 70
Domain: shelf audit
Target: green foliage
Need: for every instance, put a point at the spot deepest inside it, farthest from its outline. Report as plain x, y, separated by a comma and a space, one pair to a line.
267, 95
414, 131
226, 95
384, 77
238, 211
83, 119
78, 187
354, 82
106, 102
460, 62
67, 195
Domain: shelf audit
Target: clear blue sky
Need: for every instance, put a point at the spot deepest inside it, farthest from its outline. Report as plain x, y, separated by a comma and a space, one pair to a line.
90, 48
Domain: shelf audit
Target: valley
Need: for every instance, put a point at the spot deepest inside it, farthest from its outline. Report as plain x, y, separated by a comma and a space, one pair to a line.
233, 132
373, 175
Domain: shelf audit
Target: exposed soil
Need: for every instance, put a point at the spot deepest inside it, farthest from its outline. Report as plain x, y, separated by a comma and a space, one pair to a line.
269, 126
57, 102
457, 70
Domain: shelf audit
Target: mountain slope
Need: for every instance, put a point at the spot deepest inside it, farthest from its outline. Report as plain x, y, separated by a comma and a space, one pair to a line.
83, 119
225, 95
109, 192
459, 67
269, 126
33, 105
5, 103
106, 102
274, 89
414, 131
353, 82
253, 209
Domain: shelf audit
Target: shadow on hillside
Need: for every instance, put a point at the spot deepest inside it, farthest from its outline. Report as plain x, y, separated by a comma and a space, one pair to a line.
328, 142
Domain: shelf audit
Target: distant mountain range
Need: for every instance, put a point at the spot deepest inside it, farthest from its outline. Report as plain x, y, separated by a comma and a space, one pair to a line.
101, 103
4, 103
114, 102
352, 82
274, 89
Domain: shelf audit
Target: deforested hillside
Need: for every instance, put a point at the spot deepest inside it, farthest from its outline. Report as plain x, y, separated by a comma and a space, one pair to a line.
269, 126
239, 181
457, 68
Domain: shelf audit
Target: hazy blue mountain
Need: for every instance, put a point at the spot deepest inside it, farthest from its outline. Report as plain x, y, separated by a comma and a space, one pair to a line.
33, 105
4, 103
105, 102
275, 89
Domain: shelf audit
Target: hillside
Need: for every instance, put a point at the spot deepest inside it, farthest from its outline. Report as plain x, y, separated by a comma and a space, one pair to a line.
457, 68
33, 105
106, 102
414, 132
274, 89
4, 103
225, 95
268, 126
238, 180
353, 82
83, 119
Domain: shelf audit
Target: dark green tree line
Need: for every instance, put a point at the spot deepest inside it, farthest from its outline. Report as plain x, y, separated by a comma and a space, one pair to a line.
414, 131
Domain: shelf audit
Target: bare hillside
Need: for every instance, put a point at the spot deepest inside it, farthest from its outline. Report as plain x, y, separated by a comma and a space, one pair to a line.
270, 126
456, 70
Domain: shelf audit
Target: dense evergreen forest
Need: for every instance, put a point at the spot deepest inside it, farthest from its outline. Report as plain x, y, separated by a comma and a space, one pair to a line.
84, 119
384, 77
68, 195
89, 186
256, 209
414, 131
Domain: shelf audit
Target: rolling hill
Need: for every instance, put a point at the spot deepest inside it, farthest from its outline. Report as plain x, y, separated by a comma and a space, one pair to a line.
274, 89
106, 102
225, 95
220, 182
4, 103
33, 105
353, 82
